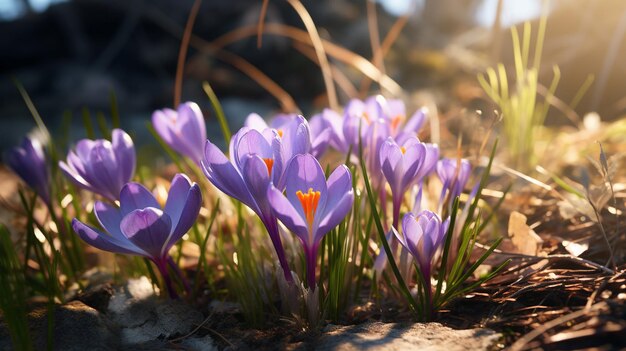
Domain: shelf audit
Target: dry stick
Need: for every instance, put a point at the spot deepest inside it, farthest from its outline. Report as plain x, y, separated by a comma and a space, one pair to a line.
319, 50
390, 38
341, 79
259, 38
286, 101
340, 53
524, 340
372, 25
182, 52
580, 260
602, 287
193, 331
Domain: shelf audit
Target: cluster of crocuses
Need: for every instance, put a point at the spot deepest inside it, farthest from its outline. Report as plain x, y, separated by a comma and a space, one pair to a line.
273, 169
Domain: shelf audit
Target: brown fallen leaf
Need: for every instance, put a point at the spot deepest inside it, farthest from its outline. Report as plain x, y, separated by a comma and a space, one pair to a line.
523, 238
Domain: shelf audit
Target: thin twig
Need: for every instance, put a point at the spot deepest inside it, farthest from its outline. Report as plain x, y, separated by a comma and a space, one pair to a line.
194, 330
207, 48
182, 52
341, 79
261, 24
524, 340
372, 25
340, 53
319, 50
580, 260
388, 41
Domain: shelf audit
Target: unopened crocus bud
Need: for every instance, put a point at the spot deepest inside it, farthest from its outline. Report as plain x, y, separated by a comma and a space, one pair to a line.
29, 162
102, 166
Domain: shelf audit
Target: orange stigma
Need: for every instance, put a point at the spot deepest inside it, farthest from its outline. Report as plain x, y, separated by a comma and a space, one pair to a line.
280, 132
395, 122
403, 149
269, 163
309, 203
366, 116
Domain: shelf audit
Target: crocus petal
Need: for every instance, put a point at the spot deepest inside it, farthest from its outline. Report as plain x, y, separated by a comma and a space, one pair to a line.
177, 197
189, 213
256, 122
99, 240
83, 149
339, 203
430, 161
281, 120
321, 133
110, 217
72, 175
193, 128
252, 142
124, 150
416, 122
147, 228
224, 176
296, 137
162, 122
257, 178
134, 196
106, 170
335, 122
400, 238
413, 159
391, 163
303, 173
412, 233
287, 214
29, 162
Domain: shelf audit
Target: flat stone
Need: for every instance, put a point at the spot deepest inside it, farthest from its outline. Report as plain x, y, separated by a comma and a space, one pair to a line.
390, 336
199, 344
76, 327
135, 290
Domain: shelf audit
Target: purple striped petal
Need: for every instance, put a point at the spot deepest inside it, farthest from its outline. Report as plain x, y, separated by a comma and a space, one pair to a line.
303, 173
124, 150
339, 203
189, 211
147, 228
256, 122
223, 175
256, 176
99, 240
288, 214
135, 196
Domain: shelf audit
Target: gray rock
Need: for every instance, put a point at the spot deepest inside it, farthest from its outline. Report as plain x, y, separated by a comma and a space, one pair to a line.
143, 318
76, 327
199, 344
424, 337
135, 290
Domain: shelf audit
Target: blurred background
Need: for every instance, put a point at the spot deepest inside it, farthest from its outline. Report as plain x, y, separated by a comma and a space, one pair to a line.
71, 55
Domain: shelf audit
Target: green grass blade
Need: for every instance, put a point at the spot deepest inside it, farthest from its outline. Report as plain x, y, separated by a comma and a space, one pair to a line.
219, 112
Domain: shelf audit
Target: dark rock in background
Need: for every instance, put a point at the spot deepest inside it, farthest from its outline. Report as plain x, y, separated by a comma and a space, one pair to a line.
75, 53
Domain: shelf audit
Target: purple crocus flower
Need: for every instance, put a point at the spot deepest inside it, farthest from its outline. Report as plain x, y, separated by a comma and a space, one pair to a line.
183, 130
141, 227
102, 166
312, 206
29, 162
257, 159
360, 114
454, 174
395, 115
422, 236
404, 165
291, 127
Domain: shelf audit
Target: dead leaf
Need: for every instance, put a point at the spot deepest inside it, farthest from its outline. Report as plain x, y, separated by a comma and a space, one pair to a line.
524, 239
